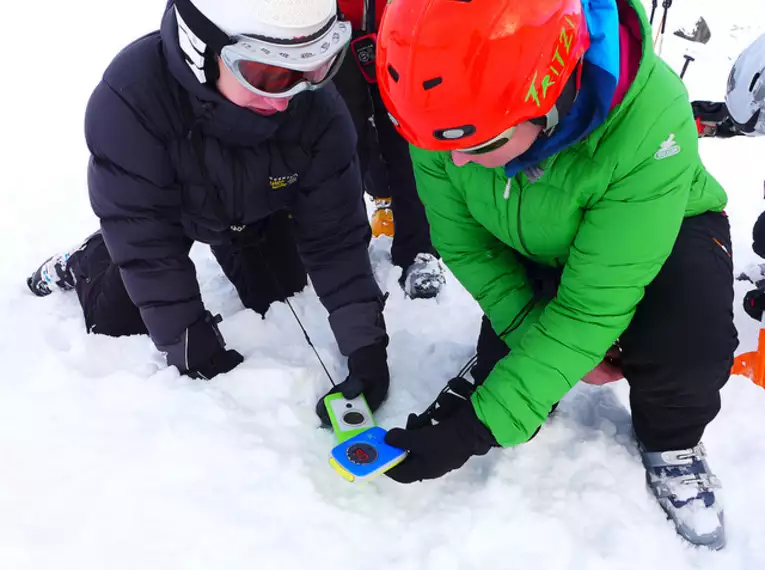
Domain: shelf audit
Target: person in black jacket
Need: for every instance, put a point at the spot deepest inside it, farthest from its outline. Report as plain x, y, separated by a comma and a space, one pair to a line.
215, 129
386, 167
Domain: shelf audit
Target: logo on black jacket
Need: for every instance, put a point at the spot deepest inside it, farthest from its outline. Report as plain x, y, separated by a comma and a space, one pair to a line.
279, 182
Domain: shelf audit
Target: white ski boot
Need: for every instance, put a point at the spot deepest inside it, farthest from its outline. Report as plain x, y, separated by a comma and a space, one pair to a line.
685, 488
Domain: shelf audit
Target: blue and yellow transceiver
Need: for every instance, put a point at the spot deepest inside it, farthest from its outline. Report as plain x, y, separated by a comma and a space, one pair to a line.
365, 456
362, 453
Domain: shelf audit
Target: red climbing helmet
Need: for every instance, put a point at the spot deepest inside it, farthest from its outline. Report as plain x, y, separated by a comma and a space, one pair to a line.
456, 73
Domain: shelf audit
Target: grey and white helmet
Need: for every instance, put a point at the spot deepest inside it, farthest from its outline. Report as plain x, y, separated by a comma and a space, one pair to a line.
745, 97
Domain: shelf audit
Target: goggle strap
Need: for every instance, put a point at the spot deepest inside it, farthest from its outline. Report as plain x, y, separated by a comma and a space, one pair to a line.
561, 107
553, 117
567, 98
203, 28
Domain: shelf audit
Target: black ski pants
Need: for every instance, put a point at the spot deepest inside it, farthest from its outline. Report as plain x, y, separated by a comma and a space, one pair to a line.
263, 265
678, 350
386, 165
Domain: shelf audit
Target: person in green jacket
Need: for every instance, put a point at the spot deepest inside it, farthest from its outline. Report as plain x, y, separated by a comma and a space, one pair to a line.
557, 159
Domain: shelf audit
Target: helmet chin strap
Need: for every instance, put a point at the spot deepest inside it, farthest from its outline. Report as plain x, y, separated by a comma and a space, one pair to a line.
750, 126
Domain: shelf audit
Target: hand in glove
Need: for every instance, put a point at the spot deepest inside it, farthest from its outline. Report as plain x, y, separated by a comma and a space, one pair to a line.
221, 362
754, 300
754, 304
434, 450
367, 374
201, 352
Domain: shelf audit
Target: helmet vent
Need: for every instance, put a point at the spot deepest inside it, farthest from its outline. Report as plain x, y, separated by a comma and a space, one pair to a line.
393, 73
431, 83
754, 80
454, 133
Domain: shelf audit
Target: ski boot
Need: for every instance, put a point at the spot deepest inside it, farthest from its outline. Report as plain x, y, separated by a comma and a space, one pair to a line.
685, 488
52, 275
382, 218
424, 278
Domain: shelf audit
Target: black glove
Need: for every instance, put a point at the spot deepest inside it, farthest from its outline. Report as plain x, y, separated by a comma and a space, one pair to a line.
434, 450
754, 304
201, 352
221, 362
367, 374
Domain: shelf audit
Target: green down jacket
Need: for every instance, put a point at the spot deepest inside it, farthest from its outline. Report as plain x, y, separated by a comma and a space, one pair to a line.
606, 210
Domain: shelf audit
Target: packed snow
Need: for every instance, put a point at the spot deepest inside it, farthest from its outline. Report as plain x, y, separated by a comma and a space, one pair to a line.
111, 460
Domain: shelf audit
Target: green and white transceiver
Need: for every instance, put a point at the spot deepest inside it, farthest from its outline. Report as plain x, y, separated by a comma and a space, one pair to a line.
349, 417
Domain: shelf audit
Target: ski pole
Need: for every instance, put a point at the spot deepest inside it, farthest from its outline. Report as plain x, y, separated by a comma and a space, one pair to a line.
278, 284
654, 4
688, 60
666, 5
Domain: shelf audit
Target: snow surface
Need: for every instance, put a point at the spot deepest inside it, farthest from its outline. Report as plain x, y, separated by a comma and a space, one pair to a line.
110, 460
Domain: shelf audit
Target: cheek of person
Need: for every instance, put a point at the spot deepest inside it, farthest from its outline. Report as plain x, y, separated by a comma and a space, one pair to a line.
523, 137
239, 95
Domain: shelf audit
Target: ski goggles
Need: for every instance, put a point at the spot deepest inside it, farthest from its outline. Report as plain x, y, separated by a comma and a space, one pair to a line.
284, 69
492, 144
548, 122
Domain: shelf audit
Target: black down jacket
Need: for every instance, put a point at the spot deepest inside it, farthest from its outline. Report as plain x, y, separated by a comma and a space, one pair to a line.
173, 162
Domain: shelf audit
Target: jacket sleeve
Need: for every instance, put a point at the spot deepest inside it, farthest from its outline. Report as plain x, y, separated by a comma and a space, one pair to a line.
486, 267
625, 237
133, 192
333, 233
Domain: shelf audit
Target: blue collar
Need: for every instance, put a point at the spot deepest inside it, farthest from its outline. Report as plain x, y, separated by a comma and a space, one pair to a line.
600, 76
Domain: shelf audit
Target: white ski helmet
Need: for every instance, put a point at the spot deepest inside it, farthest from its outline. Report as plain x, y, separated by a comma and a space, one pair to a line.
278, 19
205, 25
745, 97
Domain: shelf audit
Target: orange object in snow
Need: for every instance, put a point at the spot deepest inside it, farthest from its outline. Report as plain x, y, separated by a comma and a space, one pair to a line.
382, 218
752, 364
